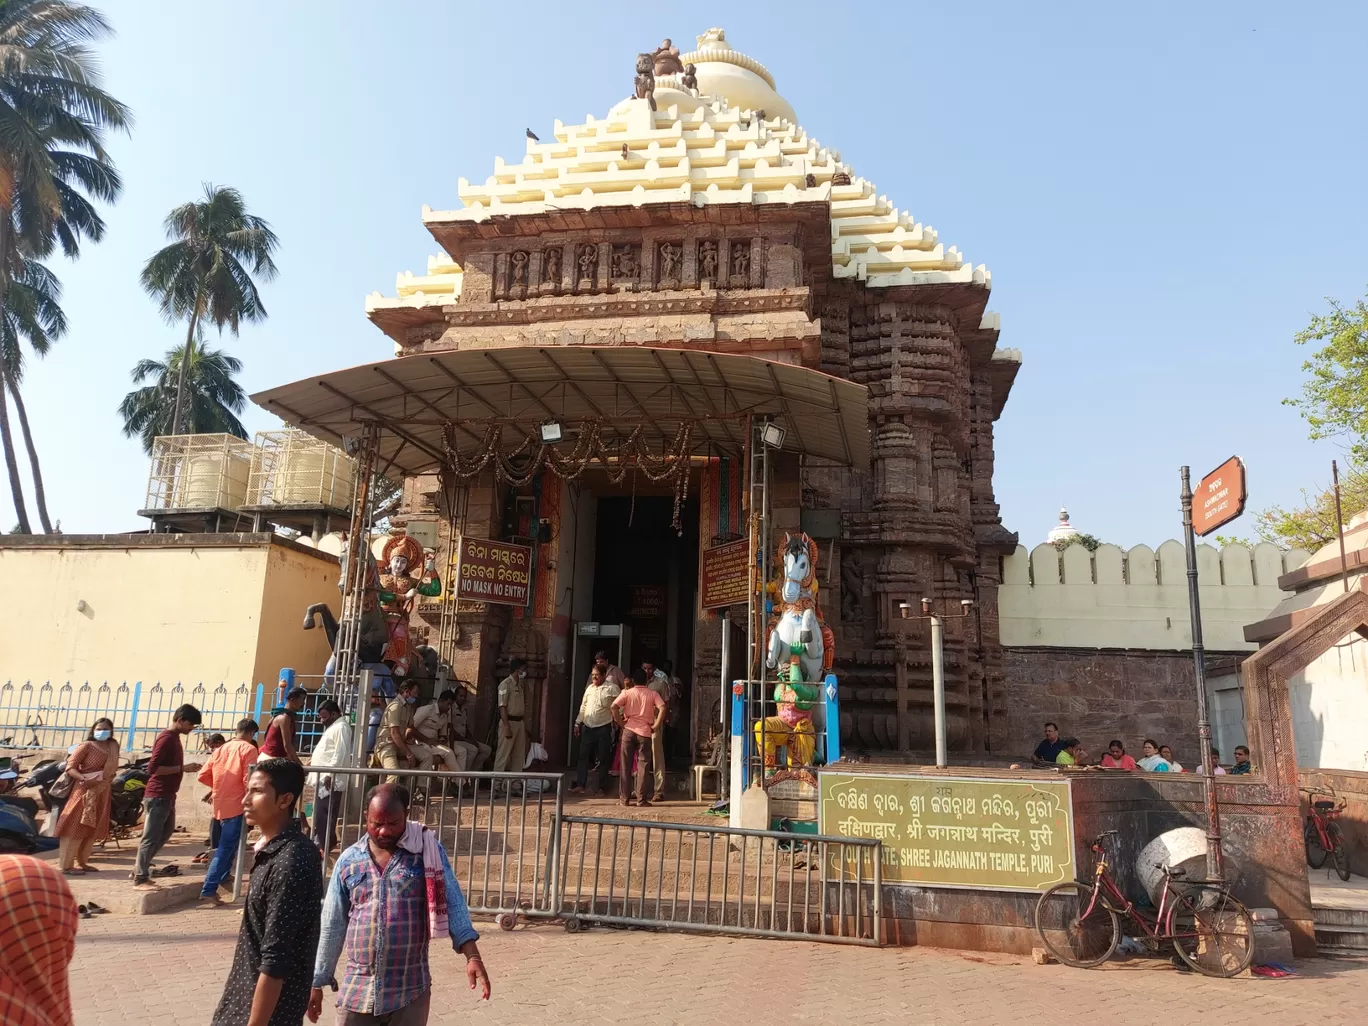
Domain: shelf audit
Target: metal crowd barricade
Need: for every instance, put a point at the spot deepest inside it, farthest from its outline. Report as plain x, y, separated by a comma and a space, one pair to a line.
499, 829
719, 879
48, 715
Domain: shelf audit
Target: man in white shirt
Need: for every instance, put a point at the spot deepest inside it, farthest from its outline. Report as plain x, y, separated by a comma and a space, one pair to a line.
432, 735
333, 749
659, 682
476, 754
594, 728
611, 674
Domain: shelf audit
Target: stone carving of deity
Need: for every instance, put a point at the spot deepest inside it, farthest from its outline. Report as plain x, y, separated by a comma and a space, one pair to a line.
707, 259
551, 264
669, 261
645, 79
588, 261
665, 59
518, 268
740, 260
624, 262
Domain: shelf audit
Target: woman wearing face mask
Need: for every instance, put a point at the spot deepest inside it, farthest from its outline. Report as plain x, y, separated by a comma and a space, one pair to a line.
85, 817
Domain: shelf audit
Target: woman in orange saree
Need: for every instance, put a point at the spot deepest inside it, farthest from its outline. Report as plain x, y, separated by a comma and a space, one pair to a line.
85, 816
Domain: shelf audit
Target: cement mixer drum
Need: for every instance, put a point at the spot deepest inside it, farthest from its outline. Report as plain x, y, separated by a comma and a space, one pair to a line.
1183, 848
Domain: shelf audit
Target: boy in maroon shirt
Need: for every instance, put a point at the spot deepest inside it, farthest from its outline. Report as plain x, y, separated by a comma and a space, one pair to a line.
165, 769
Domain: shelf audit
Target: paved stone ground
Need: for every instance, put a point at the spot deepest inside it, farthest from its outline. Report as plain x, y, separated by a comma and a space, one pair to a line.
167, 970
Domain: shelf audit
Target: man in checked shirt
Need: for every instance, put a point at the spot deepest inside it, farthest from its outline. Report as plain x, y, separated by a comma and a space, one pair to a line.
377, 908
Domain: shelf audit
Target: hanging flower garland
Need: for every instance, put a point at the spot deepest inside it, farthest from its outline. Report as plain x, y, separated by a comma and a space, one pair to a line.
519, 466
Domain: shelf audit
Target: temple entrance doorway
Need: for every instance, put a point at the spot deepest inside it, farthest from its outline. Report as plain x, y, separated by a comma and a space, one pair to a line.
646, 579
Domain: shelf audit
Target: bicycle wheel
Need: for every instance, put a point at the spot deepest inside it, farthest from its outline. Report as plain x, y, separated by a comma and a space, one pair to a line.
1069, 931
1340, 852
1315, 851
1212, 931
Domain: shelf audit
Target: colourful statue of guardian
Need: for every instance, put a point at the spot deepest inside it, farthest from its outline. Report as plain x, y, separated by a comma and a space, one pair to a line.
801, 650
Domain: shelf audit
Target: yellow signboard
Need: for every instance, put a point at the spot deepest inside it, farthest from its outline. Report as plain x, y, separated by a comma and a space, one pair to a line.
999, 835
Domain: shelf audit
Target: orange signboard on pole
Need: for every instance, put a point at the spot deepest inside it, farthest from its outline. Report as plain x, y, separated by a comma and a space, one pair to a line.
1220, 497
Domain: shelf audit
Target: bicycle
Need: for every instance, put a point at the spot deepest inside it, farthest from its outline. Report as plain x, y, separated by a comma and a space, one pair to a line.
1323, 836
1079, 922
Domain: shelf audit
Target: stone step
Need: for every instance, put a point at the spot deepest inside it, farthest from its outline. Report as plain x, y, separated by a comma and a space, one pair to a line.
1339, 951
1353, 938
1352, 917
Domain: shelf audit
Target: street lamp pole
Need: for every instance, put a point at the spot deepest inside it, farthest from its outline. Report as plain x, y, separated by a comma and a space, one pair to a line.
937, 665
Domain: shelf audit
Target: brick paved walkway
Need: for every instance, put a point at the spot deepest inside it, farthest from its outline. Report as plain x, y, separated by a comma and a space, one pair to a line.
167, 970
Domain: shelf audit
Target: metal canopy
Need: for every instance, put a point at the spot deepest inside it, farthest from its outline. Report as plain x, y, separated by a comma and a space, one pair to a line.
414, 397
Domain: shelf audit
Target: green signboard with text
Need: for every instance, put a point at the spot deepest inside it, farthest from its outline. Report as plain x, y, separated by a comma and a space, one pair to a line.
999, 835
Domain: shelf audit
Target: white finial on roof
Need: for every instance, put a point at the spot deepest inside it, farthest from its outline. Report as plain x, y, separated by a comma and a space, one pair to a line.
1064, 530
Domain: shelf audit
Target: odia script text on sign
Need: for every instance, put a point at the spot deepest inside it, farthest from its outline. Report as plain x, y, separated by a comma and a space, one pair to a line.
492, 571
1003, 835
725, 573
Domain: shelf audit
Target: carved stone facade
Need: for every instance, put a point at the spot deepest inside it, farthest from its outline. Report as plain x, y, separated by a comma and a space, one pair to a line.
920, 521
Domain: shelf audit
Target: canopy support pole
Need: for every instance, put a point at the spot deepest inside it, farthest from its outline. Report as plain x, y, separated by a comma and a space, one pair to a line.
355, 574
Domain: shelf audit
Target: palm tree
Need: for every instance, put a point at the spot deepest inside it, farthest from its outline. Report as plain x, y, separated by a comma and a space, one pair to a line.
53, 118
206, 271
32, 311
213, 397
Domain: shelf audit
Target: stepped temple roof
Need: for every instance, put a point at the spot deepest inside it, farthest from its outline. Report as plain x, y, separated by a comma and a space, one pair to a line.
731, 139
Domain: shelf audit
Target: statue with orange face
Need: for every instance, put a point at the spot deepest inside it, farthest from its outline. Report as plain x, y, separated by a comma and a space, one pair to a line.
399, 591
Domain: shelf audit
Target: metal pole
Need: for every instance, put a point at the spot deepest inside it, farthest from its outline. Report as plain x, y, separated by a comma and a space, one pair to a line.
360, 713
239, 862
1215, 869
723, 770
938, 686
1339, 526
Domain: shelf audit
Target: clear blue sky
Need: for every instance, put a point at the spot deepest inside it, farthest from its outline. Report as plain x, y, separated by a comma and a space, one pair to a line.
1163, 192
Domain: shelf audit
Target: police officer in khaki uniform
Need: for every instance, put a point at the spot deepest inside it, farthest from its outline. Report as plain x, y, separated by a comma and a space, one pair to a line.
512, 751
392, 748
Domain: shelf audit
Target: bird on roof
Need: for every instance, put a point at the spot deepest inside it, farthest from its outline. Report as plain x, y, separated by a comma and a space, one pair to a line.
624, 151
532, 135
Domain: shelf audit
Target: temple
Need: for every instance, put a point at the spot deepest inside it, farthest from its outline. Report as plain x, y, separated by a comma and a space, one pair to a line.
705, 218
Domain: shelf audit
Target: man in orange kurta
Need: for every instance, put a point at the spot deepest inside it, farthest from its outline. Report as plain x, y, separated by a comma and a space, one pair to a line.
225, 774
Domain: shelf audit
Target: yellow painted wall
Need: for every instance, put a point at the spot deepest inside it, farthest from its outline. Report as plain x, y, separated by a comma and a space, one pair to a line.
175, 611
152, 614
294, 581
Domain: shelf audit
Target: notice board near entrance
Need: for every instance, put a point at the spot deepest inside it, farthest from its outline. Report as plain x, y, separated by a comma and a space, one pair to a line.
725, 575
980, 832
493, 571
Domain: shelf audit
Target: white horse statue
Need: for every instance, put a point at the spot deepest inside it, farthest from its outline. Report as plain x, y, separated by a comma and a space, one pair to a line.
796, 635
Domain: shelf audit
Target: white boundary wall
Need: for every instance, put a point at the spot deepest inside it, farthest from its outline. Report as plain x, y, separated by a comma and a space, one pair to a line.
1137, 598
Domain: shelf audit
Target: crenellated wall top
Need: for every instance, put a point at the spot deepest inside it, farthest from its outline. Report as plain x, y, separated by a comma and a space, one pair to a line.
1136, 598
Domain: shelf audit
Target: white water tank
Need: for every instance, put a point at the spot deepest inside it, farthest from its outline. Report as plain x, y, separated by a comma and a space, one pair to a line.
316, 475
213, 480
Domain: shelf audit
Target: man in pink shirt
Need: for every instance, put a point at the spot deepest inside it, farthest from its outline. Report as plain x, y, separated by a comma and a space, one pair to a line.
225, 774
638, 711
1116, 757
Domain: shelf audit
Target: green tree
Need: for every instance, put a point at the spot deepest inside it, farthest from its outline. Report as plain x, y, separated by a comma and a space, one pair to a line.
1312, 524
206, 272
1334, 404
32, 313
1088, 541
213, 397
1334, 400
53, 120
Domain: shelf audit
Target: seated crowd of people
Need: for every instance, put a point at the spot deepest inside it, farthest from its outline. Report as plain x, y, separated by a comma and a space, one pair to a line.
1055, 750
